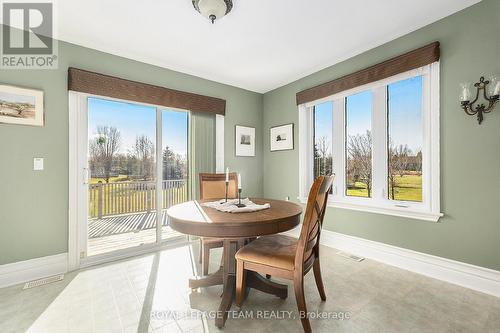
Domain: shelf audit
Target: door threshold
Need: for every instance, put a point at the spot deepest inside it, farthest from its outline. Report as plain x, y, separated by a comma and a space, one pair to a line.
133, 252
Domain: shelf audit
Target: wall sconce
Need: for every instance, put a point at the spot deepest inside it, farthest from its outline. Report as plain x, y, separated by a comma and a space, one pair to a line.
489, 87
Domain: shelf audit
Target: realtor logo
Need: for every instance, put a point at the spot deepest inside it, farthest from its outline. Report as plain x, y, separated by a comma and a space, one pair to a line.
27, 36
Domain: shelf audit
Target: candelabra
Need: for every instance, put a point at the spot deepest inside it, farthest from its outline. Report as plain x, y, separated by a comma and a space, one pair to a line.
227, 186
239, 205
480, 108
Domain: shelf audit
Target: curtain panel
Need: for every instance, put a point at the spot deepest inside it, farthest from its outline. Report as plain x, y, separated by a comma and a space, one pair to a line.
202, 148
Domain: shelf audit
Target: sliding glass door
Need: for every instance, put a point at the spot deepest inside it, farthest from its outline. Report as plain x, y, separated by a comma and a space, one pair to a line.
137, 162
174, 163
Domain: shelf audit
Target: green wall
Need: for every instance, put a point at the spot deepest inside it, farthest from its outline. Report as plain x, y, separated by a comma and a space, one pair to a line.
34, 205
470, 154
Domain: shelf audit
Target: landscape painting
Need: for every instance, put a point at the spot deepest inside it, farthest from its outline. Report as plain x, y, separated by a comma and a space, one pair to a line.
245, 141
281, 137
21, 106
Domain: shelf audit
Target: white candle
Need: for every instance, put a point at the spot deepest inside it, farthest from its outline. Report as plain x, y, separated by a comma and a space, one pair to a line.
464, 96
239, 181
227, 175
497, 89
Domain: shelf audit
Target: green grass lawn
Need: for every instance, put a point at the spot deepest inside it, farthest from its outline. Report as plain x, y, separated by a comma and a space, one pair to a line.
408, 188
120, 178
358, 190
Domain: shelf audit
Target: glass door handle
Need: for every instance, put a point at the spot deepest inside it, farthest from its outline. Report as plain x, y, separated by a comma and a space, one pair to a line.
86, 176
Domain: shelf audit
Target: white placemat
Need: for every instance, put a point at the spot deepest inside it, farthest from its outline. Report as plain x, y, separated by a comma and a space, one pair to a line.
230, 206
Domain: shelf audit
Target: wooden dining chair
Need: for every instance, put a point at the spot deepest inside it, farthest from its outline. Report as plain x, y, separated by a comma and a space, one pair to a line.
286, 257
213, 187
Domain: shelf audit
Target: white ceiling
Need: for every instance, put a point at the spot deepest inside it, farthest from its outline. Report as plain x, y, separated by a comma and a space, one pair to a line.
259, 46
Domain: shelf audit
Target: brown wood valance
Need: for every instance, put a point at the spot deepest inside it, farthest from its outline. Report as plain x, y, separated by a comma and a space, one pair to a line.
405, 62
104, 85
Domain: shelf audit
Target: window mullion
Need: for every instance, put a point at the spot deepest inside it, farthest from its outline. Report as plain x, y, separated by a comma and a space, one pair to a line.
338, 149
379, 144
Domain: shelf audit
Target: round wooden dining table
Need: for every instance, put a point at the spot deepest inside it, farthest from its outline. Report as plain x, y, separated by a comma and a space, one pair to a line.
192, 218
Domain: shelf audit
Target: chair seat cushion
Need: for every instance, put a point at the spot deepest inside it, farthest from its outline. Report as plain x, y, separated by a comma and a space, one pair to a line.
274, 250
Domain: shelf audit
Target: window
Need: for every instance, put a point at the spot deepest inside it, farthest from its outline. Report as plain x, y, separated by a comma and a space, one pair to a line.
381, 140
358, 110
404, 110
323, 120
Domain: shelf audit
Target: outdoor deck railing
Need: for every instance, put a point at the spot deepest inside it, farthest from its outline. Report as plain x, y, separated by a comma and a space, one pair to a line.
133, 197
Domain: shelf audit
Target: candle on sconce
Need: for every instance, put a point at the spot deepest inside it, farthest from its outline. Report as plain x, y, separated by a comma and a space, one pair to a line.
239, 181
494, 86
496, 91
227, 175
465, 92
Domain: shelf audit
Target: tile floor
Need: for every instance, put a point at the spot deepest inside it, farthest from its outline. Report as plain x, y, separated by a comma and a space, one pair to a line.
138, 294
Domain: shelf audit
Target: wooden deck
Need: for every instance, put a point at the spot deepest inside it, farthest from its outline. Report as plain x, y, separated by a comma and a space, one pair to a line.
120, 224
123, 231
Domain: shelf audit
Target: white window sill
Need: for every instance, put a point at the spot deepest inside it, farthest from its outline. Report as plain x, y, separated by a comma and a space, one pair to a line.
393, 211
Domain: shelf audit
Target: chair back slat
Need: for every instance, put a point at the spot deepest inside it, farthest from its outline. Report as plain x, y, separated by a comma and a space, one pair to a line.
308, 255
314, 232
313, 220
213, 186
310, 244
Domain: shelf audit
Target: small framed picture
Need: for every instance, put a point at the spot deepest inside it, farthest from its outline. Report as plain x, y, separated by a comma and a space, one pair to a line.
281, 137
21, 106
245, 141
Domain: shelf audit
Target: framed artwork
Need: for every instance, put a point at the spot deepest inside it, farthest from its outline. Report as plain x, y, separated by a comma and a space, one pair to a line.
245, 141
21, 106
281, 137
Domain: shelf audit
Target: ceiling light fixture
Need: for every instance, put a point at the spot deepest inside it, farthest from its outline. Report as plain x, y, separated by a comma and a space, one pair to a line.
213, 9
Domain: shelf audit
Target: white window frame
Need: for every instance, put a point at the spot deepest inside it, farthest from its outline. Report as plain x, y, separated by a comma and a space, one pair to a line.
429, 208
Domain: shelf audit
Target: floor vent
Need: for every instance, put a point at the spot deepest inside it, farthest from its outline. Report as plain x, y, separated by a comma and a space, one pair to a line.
41, 282
350, 256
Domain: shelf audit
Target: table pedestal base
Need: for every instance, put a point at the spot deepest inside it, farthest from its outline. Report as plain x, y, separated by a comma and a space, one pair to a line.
257, 281
214, 279
226, 276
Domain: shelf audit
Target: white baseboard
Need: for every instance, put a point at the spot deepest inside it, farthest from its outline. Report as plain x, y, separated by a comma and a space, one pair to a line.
33, 269
469, 276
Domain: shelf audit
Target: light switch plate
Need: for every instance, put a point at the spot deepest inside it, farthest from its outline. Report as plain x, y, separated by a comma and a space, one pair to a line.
38, 163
